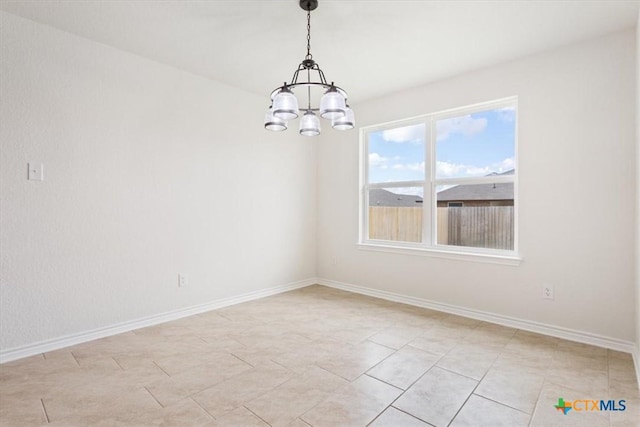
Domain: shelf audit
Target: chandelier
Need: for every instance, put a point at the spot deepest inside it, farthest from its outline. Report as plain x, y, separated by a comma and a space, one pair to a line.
333, 100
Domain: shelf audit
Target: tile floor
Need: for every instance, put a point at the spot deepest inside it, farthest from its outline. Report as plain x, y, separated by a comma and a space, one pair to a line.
319, 357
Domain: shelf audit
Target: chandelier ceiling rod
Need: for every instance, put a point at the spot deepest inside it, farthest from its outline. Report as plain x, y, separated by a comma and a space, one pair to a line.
284, 104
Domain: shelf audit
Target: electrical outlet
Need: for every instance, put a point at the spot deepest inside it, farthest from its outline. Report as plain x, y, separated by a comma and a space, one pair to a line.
183, 280
36, 171
547, 291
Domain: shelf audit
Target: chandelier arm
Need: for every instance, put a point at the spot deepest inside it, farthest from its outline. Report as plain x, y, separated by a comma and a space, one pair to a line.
294, 79
292, 86
322, 78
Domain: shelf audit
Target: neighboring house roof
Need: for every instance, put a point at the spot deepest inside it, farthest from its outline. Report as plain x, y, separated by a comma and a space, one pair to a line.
380, 197
497, 191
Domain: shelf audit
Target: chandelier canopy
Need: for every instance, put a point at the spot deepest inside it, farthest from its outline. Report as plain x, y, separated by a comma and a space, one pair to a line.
333, 101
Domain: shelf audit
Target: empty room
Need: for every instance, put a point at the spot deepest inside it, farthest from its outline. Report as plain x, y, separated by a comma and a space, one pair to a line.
319, 213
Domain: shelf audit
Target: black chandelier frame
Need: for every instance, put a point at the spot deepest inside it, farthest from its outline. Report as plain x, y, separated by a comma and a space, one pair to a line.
308, 65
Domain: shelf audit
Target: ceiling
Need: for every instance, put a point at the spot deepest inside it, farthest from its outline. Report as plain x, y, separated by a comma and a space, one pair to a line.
370, 48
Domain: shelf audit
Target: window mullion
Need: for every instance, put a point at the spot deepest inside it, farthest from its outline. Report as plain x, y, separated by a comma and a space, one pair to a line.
495, 179
427, 215
398, 184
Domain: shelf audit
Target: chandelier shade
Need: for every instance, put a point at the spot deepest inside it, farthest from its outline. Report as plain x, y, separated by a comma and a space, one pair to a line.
285, 104
274, 123
345, 122
333, 102
332, 105
309, 124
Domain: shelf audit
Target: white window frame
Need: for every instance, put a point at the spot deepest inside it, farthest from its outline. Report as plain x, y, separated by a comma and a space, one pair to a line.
429, 246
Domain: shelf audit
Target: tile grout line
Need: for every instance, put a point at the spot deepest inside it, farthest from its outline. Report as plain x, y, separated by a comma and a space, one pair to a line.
75, 358
466, 400
492, 365
203, 408
481, 379
382, 381
45, 411
501, 404
285, 367
225, 317
462, 375
544, 382
119, 365
154, 398
404, 412
349, 382
383, 345
160, 367
410, 385
333, 373
240, 359
259, 417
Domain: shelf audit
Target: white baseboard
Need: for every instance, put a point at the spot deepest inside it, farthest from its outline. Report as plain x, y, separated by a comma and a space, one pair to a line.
541, 328
73, 339
564, 333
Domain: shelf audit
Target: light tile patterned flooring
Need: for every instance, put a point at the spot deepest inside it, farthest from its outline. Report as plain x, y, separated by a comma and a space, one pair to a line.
319, 357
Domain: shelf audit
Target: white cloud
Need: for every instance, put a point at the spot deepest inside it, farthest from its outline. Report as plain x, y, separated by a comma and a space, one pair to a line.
414, 133
377, 161
454, 170
506, 165
465, 125
409, 191
417, 167
507, 114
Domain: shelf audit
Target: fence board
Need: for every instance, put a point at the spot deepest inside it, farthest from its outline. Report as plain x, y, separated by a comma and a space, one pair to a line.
395, 223
480, 226
472, 226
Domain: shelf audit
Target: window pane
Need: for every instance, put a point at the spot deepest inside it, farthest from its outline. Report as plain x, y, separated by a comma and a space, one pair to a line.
475, 215
397, 154
396, 214
477, 144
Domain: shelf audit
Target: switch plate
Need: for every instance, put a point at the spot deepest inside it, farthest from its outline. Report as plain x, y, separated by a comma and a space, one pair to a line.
183, 280
36, 172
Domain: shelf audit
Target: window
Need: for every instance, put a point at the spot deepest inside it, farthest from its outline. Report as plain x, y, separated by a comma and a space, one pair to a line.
443, 181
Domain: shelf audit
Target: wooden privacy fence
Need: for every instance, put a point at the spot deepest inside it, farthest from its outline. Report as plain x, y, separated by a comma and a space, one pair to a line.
474, 226
395, 223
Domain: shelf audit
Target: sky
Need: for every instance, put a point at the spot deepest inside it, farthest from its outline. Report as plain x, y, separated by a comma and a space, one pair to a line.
468, 145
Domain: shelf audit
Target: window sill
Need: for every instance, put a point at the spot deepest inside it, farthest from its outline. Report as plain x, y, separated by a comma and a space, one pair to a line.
514, 260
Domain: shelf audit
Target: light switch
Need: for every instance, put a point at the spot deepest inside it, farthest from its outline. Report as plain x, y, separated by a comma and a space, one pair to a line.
36, 172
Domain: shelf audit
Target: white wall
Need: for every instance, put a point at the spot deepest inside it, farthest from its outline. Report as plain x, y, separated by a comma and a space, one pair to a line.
577, 191
637, 355
149, 171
